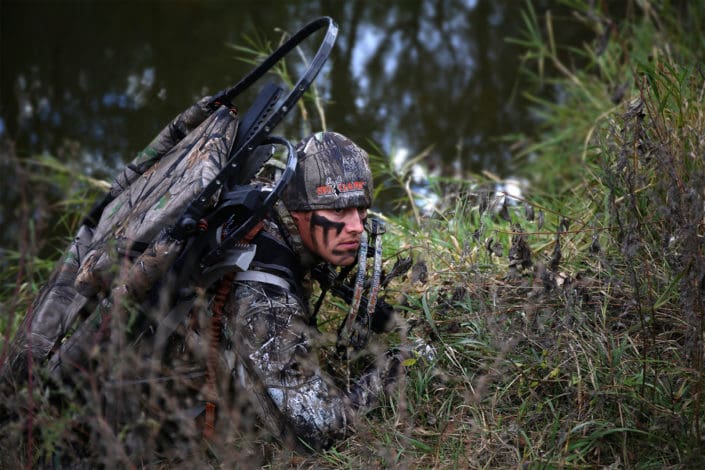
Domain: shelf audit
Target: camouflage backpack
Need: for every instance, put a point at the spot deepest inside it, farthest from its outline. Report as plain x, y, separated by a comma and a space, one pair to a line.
160, 213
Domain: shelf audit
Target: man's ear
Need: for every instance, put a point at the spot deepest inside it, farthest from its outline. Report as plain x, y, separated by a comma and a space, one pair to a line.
301, 218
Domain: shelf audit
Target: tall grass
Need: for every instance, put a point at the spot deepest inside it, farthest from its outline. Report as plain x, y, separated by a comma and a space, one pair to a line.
588, 351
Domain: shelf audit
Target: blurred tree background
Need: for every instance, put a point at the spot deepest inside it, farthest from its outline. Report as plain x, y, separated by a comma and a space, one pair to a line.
92, 82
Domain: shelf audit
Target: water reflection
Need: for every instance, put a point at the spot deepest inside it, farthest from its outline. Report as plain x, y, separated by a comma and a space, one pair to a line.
413, 74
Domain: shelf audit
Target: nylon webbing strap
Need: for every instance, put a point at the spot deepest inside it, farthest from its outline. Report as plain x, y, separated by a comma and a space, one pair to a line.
259, 276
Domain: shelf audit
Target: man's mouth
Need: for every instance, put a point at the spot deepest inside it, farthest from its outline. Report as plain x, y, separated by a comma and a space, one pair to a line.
349, 246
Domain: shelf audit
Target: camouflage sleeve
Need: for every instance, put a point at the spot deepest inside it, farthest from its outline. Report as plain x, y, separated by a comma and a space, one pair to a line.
274, 342
268, 328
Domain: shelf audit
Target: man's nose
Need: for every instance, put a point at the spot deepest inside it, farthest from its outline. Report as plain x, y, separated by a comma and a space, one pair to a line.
354, 221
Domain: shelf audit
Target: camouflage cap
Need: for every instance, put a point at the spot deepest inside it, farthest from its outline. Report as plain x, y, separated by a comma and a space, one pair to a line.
332, 173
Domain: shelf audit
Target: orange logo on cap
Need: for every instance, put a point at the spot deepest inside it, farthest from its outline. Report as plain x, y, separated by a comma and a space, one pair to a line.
339, 187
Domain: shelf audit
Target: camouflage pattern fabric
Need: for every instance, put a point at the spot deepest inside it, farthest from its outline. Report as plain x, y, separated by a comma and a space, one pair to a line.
156, 199
276, 346
63, 299
171, 135
54, 310
332, 173
274, 342
112, 315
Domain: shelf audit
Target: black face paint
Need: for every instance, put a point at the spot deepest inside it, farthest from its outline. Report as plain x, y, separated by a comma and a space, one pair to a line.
326, 224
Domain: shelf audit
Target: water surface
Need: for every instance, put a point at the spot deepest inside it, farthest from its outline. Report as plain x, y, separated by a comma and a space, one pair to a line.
92, 82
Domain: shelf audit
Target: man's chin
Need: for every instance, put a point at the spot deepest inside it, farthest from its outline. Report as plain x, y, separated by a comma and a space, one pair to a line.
344, 259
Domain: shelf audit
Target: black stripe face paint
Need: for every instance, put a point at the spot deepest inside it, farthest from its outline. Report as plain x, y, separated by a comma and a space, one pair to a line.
340, 257
326, 224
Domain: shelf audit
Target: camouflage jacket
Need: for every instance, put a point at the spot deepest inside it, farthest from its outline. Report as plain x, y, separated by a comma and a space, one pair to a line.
276, 344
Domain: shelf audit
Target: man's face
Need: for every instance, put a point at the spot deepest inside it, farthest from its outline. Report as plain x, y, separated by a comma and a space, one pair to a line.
332, 234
